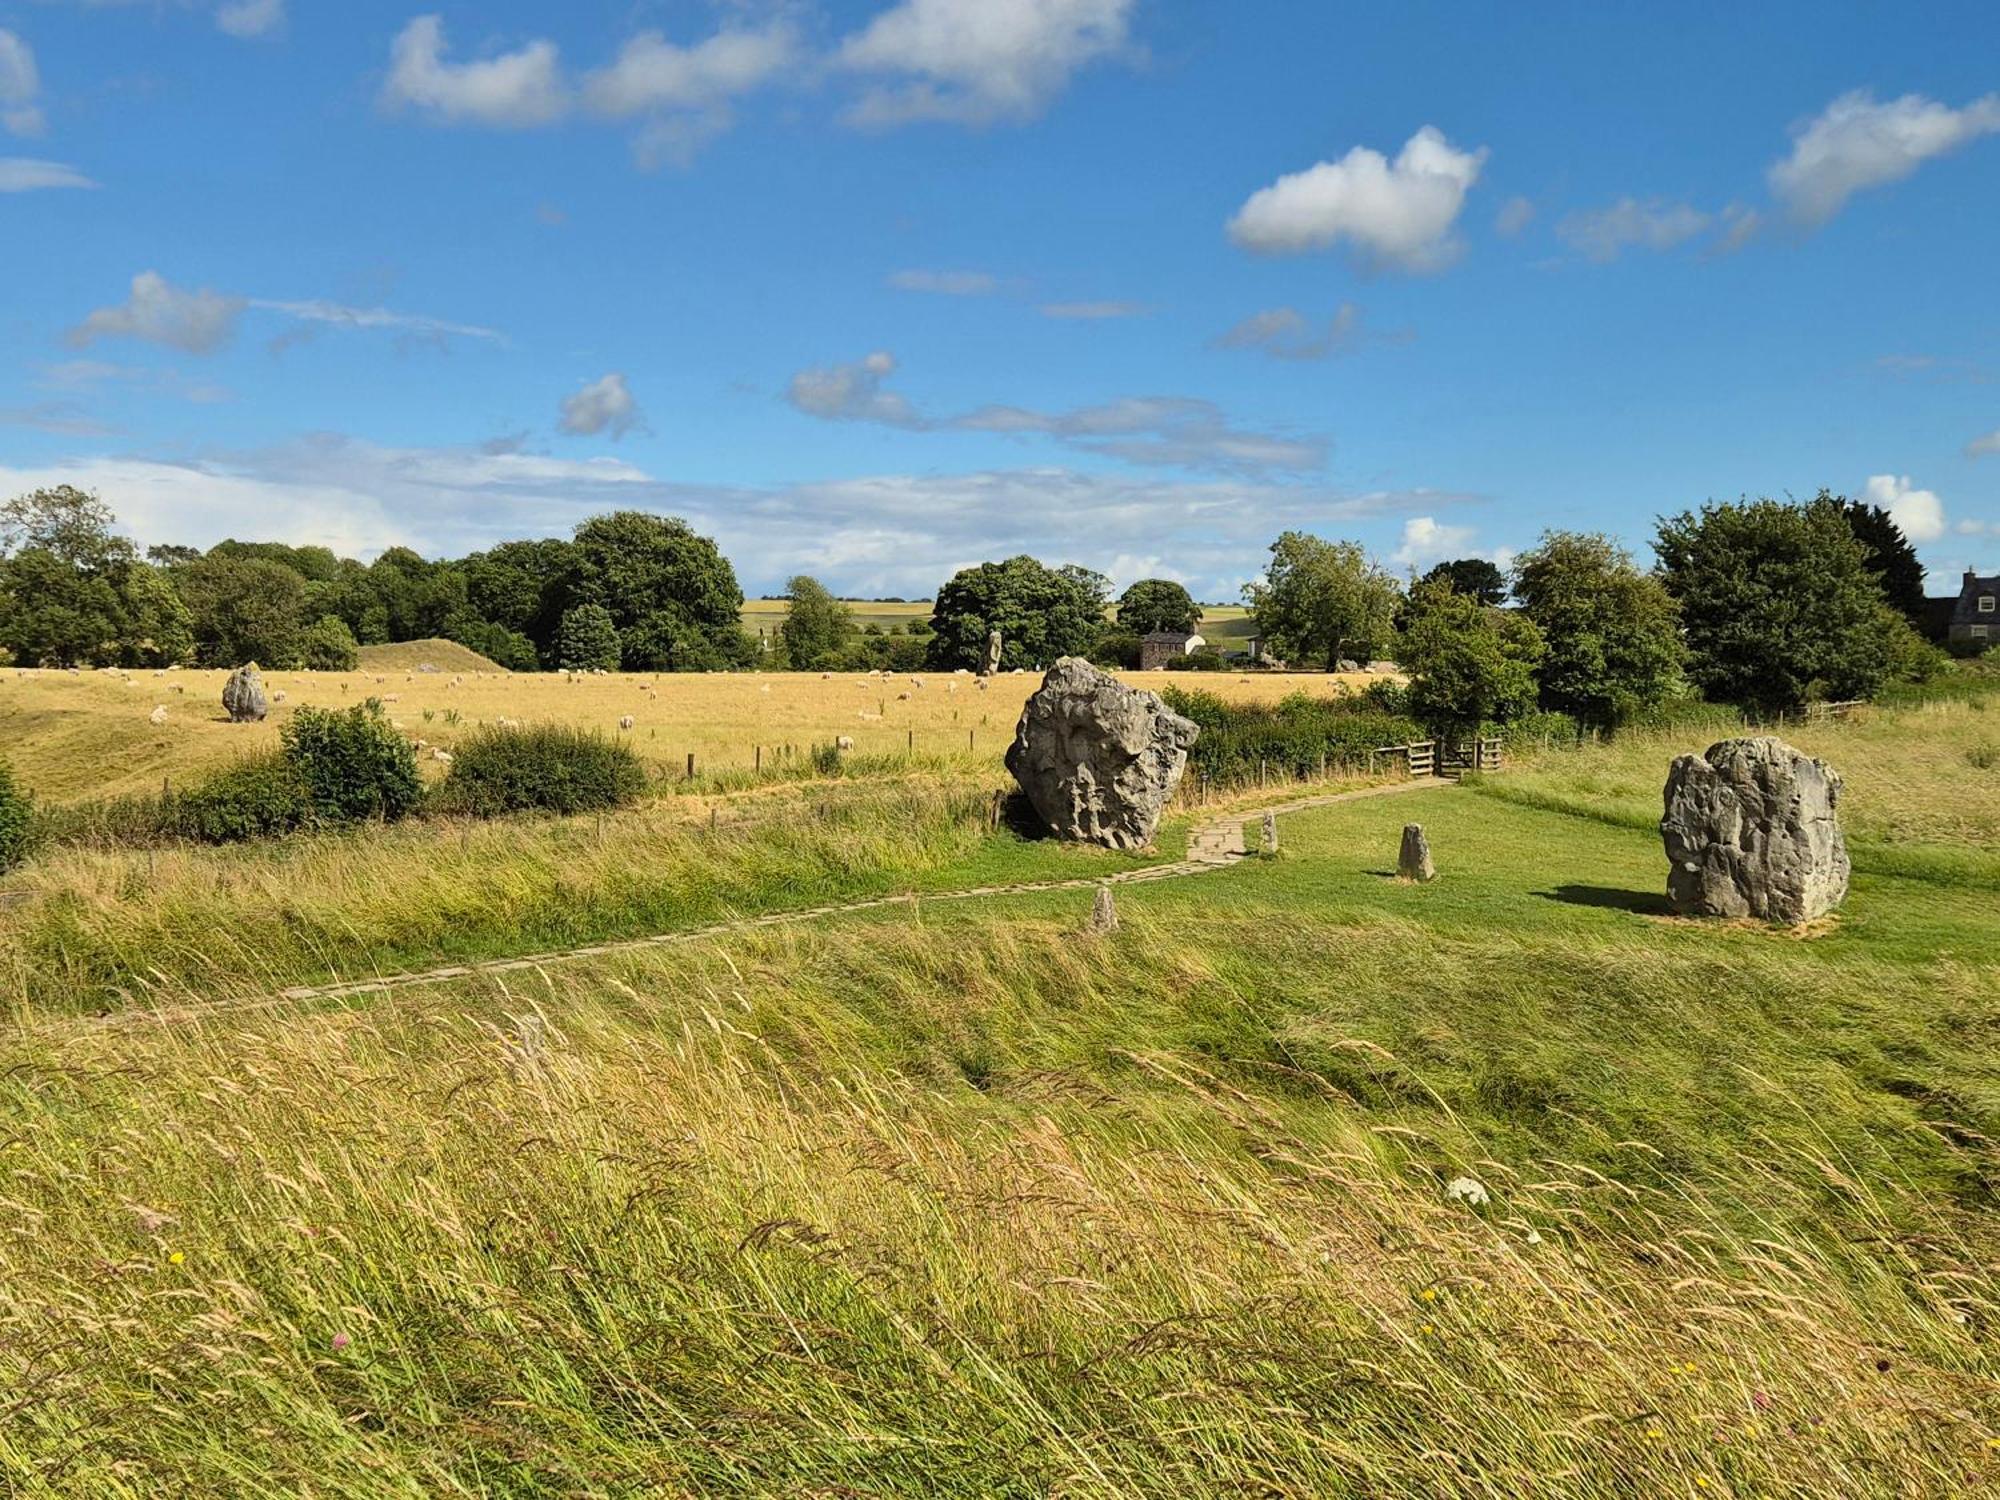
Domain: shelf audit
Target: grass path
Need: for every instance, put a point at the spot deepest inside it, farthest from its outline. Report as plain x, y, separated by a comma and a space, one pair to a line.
1212, 846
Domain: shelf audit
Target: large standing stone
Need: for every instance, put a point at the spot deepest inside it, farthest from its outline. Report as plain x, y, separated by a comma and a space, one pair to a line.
1098, 759
1751, 831
992, 663
243, 695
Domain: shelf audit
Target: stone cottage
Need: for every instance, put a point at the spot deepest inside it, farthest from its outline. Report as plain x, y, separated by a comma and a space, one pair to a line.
1975, 618
1162, 646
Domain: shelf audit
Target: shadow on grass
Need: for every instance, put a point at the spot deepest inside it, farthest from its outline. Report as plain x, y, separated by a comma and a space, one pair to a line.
1645, 903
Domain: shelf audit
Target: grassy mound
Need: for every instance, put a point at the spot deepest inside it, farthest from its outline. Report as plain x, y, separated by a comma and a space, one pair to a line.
407, 656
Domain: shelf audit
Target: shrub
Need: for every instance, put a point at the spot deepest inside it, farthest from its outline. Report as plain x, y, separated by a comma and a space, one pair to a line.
352, 763
261, 797
329, 646
1293, 738
546, 767
14, 818
1202, 659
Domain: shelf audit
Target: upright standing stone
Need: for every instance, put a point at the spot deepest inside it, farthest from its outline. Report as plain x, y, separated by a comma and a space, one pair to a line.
1103, 912
1097, 759
1270, 834
992, 663
1751, 830
243, 695
1414, 860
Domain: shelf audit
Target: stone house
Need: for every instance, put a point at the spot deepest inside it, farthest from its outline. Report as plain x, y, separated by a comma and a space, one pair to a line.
1975, 618
1159, 647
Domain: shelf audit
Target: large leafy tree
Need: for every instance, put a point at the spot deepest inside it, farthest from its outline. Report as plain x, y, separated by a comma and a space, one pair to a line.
524, 587
1474, 577
416, 595
671, 594
1157, 604
587, 640
1321, 600
1891, 558
73, 592
244, 609
1469, 663
1041, 613
816, 627
1777, 602
1612, 632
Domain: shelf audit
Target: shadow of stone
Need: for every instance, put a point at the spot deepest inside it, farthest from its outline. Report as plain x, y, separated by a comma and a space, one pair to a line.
1018, 817
1644, 903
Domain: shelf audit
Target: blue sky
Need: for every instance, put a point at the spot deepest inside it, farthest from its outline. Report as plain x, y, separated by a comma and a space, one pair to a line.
875, 290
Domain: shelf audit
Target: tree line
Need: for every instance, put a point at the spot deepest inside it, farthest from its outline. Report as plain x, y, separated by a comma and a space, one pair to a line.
1762, 603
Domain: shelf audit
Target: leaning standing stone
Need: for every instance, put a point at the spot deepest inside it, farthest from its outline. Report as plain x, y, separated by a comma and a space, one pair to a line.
1097, 759
992, 662
1414, 861
243, 695
1751, 831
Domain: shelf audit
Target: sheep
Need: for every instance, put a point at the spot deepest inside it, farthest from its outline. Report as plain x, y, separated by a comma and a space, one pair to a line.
844, 742
626, 722
277, 697
158, 715
441, 755
903, 697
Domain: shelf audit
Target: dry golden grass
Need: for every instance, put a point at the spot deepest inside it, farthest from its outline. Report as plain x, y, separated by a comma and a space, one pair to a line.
74, 735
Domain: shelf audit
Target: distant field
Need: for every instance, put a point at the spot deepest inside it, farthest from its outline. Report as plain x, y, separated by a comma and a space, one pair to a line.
75, 735
1227, 625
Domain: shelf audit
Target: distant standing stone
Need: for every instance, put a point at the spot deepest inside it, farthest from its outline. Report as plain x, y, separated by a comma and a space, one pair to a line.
1751, 831
1098, 759
992, 662
1414, 862
1103, 912
1270, 834
243, 695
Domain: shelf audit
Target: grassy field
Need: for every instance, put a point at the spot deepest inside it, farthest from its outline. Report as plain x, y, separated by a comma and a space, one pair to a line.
74, 735
946, 1199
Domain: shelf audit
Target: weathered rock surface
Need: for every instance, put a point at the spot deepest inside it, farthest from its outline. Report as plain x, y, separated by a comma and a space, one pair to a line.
243, 695
1097, 759
992, 663
1751, 830
1413, 860
1103, 912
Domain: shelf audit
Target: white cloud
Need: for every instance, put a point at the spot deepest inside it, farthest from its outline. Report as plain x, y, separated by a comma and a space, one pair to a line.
652, 73
198, 321
1397, 214
250, 18
20, 85
604, 405
1982, 446
1427, 540
1605, 233
853, 393
515, 89
1919, 513
24, 174
978, 61
1857, 142
318, 311
1092, 312
946, 283
1286, 333
1515, 215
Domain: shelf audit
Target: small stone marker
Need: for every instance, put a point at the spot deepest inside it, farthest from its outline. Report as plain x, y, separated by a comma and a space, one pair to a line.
1414, 862
1103, 912
992, 663
1270, 835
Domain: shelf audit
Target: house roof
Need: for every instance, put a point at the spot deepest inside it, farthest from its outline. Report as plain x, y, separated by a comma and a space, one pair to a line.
1966, 611
1168, 637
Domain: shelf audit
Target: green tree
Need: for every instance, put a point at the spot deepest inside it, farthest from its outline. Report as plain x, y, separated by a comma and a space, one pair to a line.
1612, 633
1469, 664
72, 592
327, 645
244, 610
1891, 558
1157, 604
417, 596
1474, 577
1322, 601
671, 595
816, 627
524, 587
1041, 613
161, 629
587, 640
1777, 603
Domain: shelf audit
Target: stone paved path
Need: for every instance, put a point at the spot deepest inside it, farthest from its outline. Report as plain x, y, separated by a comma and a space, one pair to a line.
1211, 846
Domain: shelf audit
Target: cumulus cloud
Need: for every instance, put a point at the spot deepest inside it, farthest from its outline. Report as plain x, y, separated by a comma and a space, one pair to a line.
652, 73
1984, 445
1604, 234
20, 87
1426, 540
946, 283
1286, 333
24, 174
605, 405
1515, 215
976, 62
1858, 142
513, 89
250, 18
1920, 513
1396, 214
198, 321
853, 393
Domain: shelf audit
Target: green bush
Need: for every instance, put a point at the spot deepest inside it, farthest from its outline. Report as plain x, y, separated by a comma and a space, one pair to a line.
1295, 737
329, 646
352, 763
15, 811
1203, 659
261, 797
540, 767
